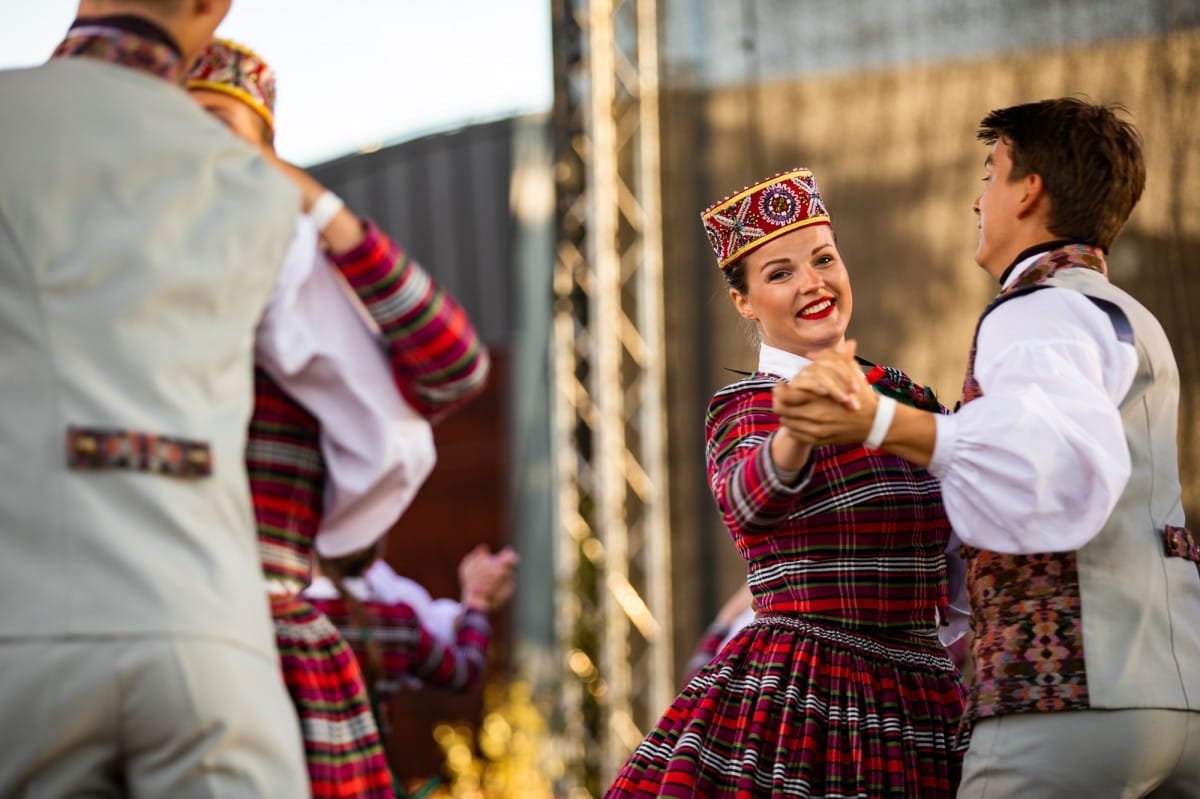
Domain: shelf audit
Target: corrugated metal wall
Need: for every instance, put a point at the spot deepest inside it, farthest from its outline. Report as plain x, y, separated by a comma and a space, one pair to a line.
446, 199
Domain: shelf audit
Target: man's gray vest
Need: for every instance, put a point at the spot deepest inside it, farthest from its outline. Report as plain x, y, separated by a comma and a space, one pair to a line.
1141, 609
1117, 622
139, 242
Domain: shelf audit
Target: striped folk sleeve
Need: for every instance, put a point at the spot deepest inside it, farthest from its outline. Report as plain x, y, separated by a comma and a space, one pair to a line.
751, 497
410, 649
461, 666
437, 356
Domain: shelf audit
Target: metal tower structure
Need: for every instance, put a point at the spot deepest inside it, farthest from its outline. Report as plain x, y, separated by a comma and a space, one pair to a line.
613, 606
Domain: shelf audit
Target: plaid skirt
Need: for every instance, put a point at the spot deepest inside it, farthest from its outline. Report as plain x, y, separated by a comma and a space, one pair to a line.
790, 708
341, 740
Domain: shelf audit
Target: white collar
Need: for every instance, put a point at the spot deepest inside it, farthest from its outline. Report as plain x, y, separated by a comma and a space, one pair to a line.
779, 362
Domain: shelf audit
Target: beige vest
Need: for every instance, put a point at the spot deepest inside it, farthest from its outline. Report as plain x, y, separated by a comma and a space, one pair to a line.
1141, 610
139, 242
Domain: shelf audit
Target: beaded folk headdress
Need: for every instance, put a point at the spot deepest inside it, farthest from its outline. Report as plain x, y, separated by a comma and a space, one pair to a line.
762, 212
238, 71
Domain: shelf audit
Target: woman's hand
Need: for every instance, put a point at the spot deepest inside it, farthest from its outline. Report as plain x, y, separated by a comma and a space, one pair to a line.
832, 373
822, 420
487, 579
829, 401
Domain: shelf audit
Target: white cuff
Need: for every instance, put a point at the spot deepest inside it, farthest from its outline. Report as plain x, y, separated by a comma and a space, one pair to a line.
325, 209
945, 441
885, 411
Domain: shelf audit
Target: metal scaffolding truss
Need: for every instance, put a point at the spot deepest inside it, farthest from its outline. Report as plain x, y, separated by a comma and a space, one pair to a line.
613, 604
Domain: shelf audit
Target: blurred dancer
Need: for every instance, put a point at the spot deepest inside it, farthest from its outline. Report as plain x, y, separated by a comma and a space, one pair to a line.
404, 639
134, 627
303, 499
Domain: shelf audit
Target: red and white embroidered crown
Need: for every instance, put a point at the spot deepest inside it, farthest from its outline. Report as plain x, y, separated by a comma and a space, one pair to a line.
764, 211
236, 70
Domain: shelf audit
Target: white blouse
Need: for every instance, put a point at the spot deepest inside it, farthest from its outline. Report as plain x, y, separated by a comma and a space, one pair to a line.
315, 344
1038, 462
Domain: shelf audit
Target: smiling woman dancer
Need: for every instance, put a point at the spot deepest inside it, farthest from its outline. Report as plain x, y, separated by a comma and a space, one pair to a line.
840, 686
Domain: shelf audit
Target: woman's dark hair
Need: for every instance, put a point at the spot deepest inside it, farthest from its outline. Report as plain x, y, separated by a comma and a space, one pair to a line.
735, 275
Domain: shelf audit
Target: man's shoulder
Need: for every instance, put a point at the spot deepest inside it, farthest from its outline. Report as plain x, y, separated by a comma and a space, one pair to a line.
84, 73
80, 93
29, 72
29, 81
1100, 292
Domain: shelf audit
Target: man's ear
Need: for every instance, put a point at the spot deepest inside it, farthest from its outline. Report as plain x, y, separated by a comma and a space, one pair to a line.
1033, 196
742, 304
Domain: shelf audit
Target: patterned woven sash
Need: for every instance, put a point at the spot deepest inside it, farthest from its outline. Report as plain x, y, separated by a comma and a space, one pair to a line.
891, 382
1071, 256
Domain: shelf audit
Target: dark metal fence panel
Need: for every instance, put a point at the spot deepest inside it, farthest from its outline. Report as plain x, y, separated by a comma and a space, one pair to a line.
445, 198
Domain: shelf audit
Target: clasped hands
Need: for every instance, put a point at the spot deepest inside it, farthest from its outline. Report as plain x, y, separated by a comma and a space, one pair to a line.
828, 401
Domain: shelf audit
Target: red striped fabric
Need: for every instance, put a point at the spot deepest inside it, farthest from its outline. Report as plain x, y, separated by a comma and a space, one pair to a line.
860, 545
342, 745
438, 357
439, 363
410, 650
841, 686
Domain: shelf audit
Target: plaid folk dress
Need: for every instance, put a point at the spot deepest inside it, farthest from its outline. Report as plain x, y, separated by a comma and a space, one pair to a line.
840, 687
410, 653
438, 363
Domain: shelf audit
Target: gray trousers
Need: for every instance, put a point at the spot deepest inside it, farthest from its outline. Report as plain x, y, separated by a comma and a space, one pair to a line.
146, 717
1085, 754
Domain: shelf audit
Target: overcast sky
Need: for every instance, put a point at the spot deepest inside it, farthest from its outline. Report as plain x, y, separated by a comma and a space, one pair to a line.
357, 74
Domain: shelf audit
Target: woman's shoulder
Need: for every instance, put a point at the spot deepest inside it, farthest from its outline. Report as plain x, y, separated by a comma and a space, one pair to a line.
750, 383
893, 382
752, 390
741, 407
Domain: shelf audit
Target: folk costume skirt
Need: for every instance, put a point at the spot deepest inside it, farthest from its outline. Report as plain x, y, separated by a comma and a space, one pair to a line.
341, 740
790, 708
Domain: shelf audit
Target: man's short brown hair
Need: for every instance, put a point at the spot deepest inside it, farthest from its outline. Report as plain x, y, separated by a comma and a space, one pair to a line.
1089, 159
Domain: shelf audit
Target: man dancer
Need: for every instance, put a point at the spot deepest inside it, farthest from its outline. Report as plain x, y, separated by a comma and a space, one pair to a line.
138, 251
1060, 475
